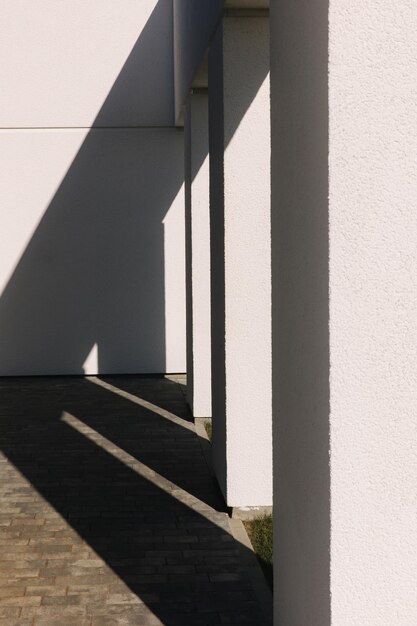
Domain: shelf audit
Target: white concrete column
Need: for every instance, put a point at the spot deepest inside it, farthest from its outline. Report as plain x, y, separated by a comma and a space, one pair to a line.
240, 255
344, 230
198, 254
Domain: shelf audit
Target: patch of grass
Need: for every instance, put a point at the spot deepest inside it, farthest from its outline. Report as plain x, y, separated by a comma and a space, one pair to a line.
260, 534
209, 429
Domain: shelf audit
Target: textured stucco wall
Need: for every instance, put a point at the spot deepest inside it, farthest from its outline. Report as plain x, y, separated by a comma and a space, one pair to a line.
92, 262
300, 339
241, 287
216, 181
59, 60
198, 255
373, 311
91, 251
344, 182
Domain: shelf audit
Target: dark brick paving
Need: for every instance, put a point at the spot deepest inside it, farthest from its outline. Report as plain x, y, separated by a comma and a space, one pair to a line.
109, 513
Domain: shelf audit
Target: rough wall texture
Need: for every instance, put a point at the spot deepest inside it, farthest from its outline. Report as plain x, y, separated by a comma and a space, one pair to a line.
373, 311
198, 255
59, 61
247, 260
91, 251
344, 225
92, 267
299, 176
217, 285
240, 204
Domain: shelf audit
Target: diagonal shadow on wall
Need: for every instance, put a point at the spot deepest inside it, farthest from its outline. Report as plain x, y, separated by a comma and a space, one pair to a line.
93, 271
101, 240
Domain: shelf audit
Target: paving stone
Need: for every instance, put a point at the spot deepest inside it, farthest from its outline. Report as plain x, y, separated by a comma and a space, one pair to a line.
127, 619
58, 621
21, 601
9, 612
12, 573
115, 519
54, 611
45, 590
11, 590
16, 622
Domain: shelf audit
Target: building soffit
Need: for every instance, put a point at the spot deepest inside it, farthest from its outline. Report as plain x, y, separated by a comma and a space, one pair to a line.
238, 8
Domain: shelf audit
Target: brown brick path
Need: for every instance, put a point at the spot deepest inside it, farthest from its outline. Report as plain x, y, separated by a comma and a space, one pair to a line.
108, 511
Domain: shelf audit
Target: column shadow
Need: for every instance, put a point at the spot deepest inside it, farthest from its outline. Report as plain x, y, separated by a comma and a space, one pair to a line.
178, 559
100, 241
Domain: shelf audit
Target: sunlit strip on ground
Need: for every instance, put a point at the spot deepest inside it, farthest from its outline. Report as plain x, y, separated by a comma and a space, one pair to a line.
186, 498
143, 403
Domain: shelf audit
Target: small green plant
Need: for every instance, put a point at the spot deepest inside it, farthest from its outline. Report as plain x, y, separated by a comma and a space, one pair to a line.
260, 534
209, 428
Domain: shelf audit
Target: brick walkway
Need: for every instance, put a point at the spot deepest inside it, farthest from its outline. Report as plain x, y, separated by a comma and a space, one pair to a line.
109, 514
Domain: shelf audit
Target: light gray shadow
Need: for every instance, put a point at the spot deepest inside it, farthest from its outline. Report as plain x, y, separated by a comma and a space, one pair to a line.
93, 271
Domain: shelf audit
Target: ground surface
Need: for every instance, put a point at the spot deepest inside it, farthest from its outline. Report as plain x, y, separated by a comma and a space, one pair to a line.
109, 512
260, 532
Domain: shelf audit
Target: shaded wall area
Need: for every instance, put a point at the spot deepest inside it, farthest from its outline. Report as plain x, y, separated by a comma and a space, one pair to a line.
92, 227
300, 312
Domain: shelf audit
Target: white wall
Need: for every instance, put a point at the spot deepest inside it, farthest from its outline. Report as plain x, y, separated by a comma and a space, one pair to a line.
344, 307
195, 24
85, 233
198, 255
92, 262
373, 311
240, 259
59, 61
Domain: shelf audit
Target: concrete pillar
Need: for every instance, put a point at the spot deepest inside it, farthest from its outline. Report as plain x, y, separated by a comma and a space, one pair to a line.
240, 256
198, 254
344, 259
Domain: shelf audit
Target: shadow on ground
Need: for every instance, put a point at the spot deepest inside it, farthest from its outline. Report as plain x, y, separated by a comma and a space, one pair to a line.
118, 506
